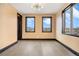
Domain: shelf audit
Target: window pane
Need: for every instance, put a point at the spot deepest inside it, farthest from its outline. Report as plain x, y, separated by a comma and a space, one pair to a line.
76, 19
67, 21
30, 24
47, 24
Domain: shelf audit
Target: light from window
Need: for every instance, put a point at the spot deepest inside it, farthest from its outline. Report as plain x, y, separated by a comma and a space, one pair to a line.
30, 24
67, 21
76, 19
71, 20
47, 24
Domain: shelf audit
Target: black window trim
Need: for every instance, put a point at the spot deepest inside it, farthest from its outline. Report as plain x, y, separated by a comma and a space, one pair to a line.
63, 20
50, 24
26, 23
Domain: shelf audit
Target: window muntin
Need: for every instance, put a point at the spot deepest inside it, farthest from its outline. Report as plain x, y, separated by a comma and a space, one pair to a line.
76, 19
46, 24
70, 23
30, 24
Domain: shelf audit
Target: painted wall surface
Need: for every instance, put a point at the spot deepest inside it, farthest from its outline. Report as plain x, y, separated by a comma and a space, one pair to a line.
38, 34
70, 41
8, 25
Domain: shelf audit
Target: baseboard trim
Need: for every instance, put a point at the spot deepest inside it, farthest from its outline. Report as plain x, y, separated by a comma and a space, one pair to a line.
74, 52
38, 39
7, 47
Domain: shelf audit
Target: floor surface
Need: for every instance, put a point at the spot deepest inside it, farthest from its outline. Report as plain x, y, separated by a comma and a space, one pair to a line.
37, 48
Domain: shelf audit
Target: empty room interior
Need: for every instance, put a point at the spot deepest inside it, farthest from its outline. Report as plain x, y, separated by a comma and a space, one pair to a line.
39, 29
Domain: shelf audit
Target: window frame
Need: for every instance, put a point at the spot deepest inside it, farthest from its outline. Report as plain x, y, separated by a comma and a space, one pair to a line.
64, 25
71, 22
50, 24
26, 23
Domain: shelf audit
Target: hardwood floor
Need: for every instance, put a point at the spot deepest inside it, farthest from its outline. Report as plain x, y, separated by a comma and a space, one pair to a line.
37, 48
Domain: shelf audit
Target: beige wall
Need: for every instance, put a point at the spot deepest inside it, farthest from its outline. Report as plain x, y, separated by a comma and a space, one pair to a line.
70, 41
38, 28
8, 25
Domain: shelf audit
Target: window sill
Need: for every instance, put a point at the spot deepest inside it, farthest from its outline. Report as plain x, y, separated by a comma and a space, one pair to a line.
71, 35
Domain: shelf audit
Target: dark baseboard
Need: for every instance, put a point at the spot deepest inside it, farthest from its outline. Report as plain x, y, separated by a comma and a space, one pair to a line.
7, 47
74, 52
38, 39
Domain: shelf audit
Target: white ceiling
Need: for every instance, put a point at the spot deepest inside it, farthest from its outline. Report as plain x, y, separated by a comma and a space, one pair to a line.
26, 8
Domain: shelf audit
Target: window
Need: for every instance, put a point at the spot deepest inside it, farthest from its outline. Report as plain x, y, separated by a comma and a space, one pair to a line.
67, 21
71, 20
75, 19
30, 24
46, 24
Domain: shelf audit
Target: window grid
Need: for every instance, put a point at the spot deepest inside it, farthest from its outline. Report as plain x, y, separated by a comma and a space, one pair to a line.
63, 19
